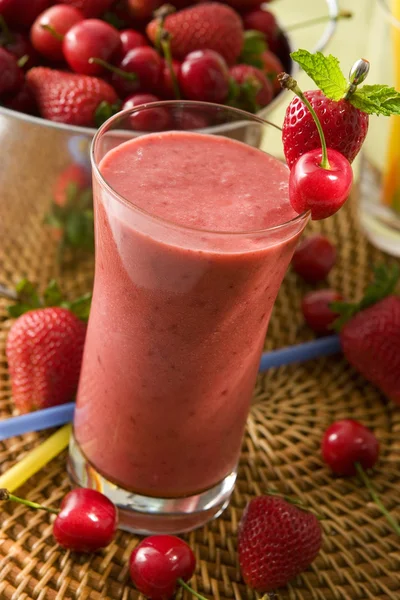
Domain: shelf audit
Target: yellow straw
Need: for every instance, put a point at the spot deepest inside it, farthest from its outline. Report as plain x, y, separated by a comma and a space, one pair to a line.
391, 177
36, 459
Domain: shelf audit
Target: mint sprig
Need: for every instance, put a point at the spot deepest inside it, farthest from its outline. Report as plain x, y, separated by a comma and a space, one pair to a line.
383, 284
326, 73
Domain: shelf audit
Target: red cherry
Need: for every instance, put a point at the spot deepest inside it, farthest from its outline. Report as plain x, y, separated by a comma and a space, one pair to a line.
131, 39
90, 8
11, 76
150, 119
204, 75
22, 101
87, 39
317, 311
146, 64
348, 442
322, 191
23, 12
190, 120
86, 522
158, 562
19, 45
166, 85
313, 258
60, 18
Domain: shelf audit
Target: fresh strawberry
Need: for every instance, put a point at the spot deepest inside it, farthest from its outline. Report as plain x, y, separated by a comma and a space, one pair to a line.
44, 352
344, 126
254, 89
211, 26
276, 542
68, 97
370, 332
90, 8
74, 175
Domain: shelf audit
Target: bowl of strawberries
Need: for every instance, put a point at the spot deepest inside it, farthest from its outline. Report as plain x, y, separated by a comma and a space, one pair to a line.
66, 67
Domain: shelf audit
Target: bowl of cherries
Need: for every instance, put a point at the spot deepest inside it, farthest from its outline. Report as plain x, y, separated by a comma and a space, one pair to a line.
66, 66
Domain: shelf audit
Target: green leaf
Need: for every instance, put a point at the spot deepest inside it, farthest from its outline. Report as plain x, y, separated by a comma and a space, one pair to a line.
16, 310
253, 46
71, 193
376, 99
324, 71
80, 307
383, 284
52, 295
104, 111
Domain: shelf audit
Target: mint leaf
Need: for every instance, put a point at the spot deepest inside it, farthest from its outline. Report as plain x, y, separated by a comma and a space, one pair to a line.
383, 285
324, 71
376, 99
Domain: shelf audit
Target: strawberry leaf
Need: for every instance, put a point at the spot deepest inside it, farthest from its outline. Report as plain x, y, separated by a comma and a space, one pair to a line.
254, 44
324, 71
383, 285
377, 100
104, 111
80, 307
52, 294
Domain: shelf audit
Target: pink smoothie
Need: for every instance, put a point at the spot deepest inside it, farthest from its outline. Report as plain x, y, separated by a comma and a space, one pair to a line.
179, 315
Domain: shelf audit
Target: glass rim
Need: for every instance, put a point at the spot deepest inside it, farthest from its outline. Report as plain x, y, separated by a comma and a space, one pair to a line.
166, 222
387, 9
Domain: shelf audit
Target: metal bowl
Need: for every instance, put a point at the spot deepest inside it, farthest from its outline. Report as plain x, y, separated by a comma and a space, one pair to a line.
35, 151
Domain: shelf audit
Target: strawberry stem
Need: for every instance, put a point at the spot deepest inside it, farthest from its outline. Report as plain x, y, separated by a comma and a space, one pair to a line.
190, 590
166, 47
53, 32
6, 496
287, 82
116, 70
375, 497
342, 14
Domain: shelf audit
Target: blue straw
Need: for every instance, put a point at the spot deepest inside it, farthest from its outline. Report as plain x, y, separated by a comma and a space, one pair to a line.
301, 352
37, 420
59, 415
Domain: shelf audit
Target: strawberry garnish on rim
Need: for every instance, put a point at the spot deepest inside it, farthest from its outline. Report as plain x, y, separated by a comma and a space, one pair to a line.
342, 106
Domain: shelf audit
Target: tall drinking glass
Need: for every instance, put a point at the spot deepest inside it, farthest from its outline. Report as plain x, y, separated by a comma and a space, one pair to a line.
194, 232
379, 202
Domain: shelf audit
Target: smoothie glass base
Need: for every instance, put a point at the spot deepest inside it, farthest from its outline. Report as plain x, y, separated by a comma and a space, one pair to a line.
149, 515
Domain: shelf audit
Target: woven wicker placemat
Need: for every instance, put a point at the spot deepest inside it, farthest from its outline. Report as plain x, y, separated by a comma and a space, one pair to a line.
292, 406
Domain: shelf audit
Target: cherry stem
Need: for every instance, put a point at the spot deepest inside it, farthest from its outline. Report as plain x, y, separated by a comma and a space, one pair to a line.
7, 293
6, 496
53, 32
166, 47
342, 14
375, 497
21, 62
116, 70
287, 82
191, 590
8, 36
161, 14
